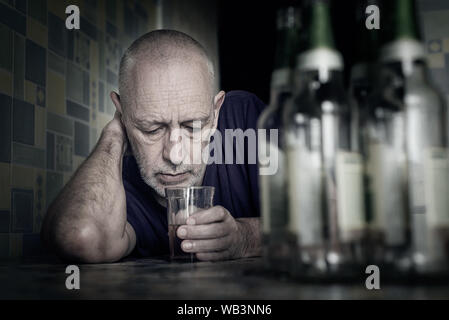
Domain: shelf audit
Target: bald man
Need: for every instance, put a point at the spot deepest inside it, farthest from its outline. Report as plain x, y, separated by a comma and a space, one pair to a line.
114, 204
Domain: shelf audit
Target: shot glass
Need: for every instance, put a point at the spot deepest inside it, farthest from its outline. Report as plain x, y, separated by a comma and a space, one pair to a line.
183, 202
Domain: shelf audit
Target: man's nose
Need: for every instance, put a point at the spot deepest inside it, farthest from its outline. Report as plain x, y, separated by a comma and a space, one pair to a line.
173, 152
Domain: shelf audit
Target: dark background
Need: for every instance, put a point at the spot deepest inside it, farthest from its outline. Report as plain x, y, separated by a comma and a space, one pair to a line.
247, 40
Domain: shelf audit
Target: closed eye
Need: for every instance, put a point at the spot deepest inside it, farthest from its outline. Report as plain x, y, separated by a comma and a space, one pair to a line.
153, 131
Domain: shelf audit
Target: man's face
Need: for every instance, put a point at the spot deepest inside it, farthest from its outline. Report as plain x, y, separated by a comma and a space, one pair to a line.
164, 107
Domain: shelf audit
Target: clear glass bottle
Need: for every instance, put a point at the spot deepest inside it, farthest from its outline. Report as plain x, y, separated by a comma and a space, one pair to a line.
377, 133
409, 123
325, 181
272, 186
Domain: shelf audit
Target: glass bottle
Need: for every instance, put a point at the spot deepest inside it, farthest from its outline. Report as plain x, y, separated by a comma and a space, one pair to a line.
271, 148
422, 133
325, 183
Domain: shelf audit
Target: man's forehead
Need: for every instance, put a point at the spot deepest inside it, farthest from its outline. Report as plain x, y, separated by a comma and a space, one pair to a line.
164, 89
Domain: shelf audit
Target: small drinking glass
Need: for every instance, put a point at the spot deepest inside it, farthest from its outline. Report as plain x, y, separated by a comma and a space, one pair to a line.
183, 202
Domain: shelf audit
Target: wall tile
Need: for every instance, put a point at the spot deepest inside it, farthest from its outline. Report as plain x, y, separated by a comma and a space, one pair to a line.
90, 9
30, 92
32, 246
436, 24
39, 199
23, 122
13, 19
50, 151
57, 8
37, 32
38, 10
5, 128
43, 156
22, 210
81, 139
70, 45
75, 83
6, 82
19, 66
57, 35
94, 66
431, 5
112, 52
112, 78
5, 219
93, 138
54, 185
15, 244
22, 177
64, 152
111, 30
56, 93
59, 124
110, 107
77, 111
39, 127
101, 96
5, 181
93, 95
40, 97
82, 50
36, 63
88, 28
21, 5
6, 36
102, 56
77, 161
102, 120
4, 243
446, 45
111, 9
86, 88
440, 79
56, 63
29, 156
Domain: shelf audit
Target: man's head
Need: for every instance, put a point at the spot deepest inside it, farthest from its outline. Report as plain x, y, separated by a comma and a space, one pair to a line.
166, 86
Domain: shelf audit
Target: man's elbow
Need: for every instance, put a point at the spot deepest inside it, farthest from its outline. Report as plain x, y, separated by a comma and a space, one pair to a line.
82, 243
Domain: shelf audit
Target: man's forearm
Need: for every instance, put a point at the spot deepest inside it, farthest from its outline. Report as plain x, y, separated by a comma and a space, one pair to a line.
250, 232
92, 205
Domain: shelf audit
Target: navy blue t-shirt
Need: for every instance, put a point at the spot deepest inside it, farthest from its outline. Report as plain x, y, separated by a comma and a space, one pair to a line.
236, 185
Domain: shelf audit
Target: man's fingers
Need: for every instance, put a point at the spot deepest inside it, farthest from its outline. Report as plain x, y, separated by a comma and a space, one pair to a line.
214, 214
203, 231
206, 245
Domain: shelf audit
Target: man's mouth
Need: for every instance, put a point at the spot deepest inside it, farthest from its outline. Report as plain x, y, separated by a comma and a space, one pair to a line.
170, 179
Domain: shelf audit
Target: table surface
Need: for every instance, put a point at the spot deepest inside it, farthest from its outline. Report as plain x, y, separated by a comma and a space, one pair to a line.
160, 279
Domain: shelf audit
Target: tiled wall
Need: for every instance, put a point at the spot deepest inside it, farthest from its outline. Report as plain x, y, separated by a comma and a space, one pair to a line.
434, 16
54, 86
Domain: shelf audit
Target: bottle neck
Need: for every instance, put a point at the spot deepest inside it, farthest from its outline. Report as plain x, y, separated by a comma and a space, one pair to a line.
405, 23
320, 54
320, 26
287, 40
287, 47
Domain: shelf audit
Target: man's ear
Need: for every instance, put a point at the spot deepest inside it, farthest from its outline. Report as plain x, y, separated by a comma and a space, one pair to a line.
218, 101
116, 100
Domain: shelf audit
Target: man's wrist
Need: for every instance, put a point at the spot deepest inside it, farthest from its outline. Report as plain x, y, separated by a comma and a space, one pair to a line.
249, 231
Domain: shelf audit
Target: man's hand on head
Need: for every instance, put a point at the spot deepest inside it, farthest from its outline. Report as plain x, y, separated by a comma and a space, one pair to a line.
214, 234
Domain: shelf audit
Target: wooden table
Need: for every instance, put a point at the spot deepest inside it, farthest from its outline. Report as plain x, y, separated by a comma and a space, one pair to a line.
160, 279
